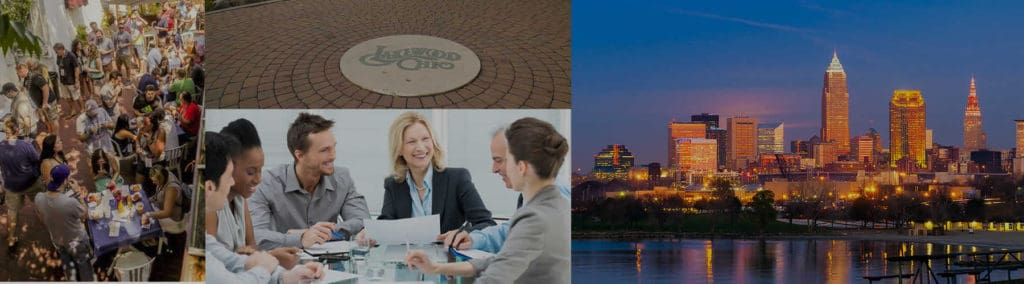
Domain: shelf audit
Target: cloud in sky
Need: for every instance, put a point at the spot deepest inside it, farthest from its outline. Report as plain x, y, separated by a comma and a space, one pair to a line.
753, 23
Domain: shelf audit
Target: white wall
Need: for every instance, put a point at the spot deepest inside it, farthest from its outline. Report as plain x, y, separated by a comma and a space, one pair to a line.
362, 137
52, 23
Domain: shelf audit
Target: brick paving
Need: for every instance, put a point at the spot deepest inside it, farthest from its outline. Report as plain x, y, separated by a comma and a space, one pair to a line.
286, 54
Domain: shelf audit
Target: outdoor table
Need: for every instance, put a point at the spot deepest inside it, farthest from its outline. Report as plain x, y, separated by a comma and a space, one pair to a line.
131, 231
924, 272
385, 263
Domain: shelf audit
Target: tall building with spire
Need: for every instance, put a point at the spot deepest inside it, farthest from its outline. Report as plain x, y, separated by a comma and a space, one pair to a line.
835, 107
974, 136
907, 127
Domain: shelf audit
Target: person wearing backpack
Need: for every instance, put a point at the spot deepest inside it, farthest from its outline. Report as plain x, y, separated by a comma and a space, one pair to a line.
19, 167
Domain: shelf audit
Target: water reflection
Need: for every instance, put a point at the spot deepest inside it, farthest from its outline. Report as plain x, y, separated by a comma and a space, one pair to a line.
750, 261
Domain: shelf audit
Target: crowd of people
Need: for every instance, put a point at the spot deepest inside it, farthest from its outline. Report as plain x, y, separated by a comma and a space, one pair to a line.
257, 221
126, 98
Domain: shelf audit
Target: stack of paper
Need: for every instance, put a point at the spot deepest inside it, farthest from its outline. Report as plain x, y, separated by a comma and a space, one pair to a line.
419, 230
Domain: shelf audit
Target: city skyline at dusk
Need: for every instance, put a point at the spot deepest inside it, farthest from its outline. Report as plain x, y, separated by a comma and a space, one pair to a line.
767, 61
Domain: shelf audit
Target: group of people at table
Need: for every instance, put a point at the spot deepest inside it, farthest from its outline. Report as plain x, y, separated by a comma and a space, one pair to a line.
29, 166
257, 222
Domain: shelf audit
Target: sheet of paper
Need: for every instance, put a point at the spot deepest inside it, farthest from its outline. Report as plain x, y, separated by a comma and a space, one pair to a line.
475, 253
419, 230
334, 276
330, 247
397, 253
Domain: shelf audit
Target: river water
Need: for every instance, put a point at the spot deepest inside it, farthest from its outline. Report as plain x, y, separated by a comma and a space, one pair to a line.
801, 261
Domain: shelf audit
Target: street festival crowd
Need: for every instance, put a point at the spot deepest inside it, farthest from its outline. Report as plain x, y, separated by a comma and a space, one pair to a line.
126, 102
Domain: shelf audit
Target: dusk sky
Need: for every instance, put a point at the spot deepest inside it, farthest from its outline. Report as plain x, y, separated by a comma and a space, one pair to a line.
638, 65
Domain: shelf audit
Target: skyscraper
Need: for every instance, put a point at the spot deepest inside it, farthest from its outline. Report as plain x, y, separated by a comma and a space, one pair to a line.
974, 135
742, 134
697, 155
770, 138
710, 119
722, 136
862, 148
713, 132
876, 138
1018, 163
835, 107
907, 127
677, 130
1020, 138
613, 162
927, 139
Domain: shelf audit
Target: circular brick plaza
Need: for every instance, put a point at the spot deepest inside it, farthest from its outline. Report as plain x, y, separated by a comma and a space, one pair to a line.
285, 54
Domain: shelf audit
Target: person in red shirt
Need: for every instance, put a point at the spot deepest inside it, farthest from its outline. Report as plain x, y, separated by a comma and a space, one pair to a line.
190, 114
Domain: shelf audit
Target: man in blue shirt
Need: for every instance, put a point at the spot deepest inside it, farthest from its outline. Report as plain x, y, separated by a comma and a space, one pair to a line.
19, 165
491, 238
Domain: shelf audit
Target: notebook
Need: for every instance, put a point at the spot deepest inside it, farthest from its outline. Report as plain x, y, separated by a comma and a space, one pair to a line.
334, 247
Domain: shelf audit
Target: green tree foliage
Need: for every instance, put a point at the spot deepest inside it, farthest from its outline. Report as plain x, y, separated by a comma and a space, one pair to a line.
13, 32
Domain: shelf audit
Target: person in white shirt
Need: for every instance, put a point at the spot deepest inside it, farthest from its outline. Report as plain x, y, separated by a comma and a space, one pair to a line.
22, 109
223, 265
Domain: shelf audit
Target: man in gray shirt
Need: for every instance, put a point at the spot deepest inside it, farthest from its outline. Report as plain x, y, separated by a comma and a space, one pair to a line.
296, 205
124, 50
106, 47
63, 214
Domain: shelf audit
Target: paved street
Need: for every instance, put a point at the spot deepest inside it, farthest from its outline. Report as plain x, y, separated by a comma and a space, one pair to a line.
286, 54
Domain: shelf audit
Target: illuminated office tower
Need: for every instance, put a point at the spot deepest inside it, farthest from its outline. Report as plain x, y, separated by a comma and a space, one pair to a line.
835, 107
974, 135
697, 155
742, 134
613, 162
1018, 163
677, 130
927, 139
1020, 138
907, 127
862, 148
826, 153
770, 138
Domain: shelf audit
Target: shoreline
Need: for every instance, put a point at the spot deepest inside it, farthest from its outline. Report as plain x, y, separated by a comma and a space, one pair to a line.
998, 240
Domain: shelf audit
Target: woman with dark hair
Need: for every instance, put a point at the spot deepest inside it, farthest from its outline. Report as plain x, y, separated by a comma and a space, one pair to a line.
168, 200
537, 247
233, 225
104, 169
81, 52
51, 155
150, 145
125, 140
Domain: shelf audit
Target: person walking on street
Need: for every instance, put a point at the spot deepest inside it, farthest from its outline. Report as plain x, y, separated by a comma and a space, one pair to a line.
68, 72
